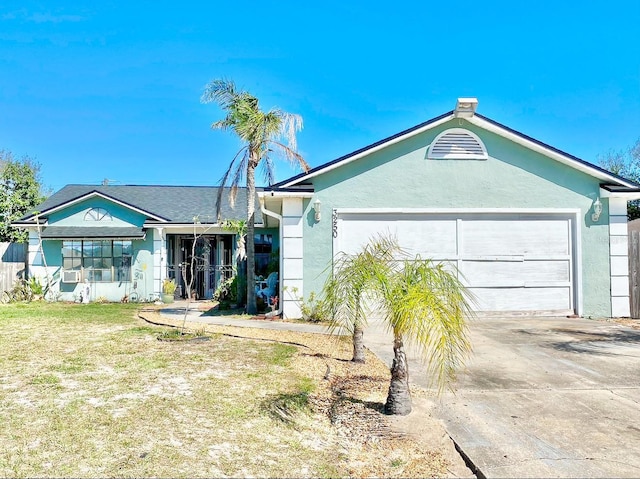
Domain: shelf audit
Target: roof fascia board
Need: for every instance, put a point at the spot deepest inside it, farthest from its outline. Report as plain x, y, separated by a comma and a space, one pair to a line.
547, 151
285, 194
628, 195
393, 140
199, 226
93, 193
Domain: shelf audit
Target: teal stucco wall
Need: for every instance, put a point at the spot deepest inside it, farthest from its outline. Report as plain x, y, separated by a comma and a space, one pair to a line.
401, 176
73, 215
142, 260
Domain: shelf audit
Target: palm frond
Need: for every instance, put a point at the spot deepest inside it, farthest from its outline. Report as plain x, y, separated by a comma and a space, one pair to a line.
293, 157
238, 175
428, 307
220, 91
223, 184
268, 169
423, 303
355, 279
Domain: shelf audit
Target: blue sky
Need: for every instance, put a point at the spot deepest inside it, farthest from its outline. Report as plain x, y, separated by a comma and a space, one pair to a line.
110, 89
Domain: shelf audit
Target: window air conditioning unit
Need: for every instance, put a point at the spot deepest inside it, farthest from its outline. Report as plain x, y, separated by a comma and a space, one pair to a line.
71, 276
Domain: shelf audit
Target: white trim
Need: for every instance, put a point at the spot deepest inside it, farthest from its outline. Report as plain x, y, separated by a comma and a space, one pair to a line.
565, 211
278, 217
292, 259
618, 258
286, 194
576, 250
575, 241
627, 195
491, 127
103, 196
371, 150
159, 259
592, 171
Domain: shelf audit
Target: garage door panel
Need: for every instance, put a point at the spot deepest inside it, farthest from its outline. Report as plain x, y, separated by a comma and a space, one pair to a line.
359, 233
430, 239
516, 273
547, 271
509, 261
502, 237
434, 239
522, 299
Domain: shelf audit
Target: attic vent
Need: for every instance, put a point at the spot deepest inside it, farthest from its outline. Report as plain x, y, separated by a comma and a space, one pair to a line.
457, 144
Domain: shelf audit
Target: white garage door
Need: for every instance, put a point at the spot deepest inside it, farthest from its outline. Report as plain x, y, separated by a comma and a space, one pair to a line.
510, 261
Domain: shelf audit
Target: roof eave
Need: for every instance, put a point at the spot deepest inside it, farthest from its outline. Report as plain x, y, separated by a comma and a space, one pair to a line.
356, 155
548, 150
88, 195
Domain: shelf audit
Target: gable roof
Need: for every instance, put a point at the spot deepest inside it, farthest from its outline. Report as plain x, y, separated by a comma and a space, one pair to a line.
162, 204
476, 119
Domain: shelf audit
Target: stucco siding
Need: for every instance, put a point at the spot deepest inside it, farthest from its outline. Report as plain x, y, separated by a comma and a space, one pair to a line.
141, 270
401, 176
73, 215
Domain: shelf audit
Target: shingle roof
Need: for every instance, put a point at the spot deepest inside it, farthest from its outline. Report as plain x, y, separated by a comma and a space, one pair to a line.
176, 204
80, 232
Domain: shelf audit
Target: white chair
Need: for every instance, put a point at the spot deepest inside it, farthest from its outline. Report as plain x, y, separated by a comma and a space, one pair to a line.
267, 288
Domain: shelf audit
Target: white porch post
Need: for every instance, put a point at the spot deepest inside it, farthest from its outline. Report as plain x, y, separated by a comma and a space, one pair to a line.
619, 257
159, 259
292, 262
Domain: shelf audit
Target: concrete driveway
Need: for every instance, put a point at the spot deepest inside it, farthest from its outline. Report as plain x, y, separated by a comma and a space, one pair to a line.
543, 397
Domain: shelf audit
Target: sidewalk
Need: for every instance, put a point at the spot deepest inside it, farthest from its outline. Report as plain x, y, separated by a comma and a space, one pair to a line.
176, 310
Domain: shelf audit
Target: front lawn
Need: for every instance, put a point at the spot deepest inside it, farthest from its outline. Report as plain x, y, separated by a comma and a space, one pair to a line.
89, 390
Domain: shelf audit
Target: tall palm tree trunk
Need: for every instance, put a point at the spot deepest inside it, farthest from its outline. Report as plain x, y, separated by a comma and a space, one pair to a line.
251, 248
399, 397
358, 343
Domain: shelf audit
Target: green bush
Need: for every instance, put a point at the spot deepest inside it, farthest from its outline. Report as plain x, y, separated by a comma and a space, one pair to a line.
313, 309
36, 287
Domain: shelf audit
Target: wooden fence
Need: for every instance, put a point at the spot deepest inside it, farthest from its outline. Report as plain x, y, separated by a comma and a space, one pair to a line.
634, 273
13, 257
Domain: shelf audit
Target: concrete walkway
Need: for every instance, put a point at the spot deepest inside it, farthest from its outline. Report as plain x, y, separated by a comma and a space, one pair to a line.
540, 397
195, 315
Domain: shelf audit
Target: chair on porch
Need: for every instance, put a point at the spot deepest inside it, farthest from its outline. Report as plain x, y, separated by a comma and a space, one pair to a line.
267, 288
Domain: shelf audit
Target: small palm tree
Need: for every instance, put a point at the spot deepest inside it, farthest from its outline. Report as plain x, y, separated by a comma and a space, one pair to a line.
348, 290
421, 302
261, 133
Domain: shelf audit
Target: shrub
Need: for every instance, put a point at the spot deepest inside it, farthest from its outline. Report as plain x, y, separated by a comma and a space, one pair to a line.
313, 309
169, 286
36, 287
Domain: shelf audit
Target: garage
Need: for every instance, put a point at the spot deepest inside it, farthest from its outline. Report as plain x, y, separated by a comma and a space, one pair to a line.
511, 261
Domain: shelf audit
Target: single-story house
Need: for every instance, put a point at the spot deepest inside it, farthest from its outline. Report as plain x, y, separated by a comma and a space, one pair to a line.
531, 229
124, 240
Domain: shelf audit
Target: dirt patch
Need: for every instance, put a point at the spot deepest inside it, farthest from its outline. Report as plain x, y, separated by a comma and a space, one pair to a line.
630, 323
351, 396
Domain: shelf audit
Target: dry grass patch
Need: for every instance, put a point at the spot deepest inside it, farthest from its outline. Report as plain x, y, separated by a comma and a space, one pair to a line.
88, 390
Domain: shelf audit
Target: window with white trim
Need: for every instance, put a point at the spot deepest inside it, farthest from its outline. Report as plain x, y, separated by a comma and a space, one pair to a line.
98, 260
97, 214
457, 144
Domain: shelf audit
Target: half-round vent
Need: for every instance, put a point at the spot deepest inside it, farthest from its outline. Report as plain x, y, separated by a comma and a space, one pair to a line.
458, 144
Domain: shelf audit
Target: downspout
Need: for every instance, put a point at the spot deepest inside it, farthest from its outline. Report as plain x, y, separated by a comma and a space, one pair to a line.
280, 256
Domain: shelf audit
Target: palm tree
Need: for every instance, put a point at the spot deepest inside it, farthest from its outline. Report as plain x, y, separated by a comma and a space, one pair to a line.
260, 132
347, 291
420, 301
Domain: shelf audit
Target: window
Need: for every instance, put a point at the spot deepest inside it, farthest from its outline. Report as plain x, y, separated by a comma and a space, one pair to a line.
457, 144
263, 249
99, 260
97, 214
